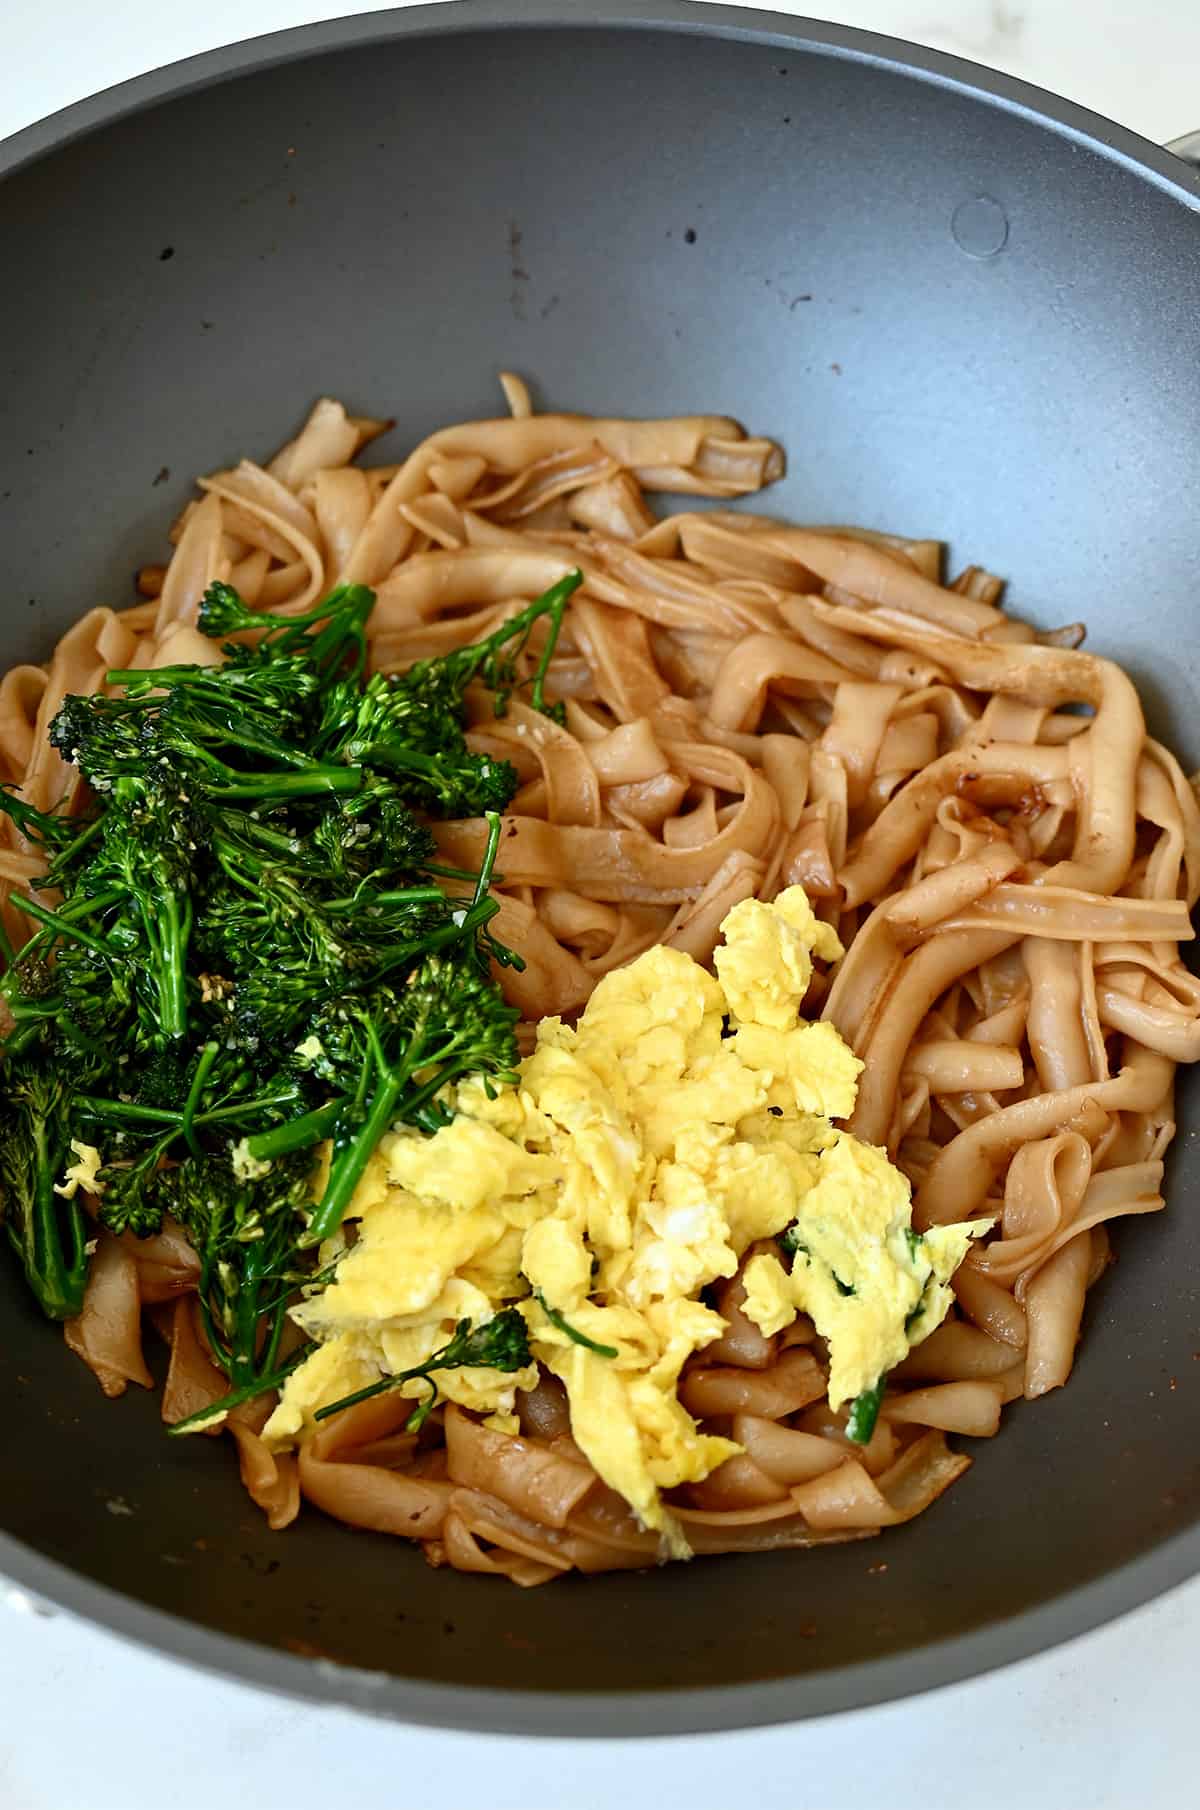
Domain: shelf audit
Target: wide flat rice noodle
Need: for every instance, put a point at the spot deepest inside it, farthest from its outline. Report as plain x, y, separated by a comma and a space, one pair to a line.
971, 1407
107, 1334
791, 1383
367, 1495
540, 1484
271, 1479
193, 1381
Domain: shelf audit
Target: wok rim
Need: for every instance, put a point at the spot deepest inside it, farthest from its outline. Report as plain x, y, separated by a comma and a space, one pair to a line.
718, 1707
614, 1714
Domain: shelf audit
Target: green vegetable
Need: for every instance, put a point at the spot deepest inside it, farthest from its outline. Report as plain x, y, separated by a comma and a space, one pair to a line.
864, 1412
789, 1241
245, 1233
410, 724
501, 1343
401, 1049
215, 1413
572, 1332
251, 948
338, 648
46, 1231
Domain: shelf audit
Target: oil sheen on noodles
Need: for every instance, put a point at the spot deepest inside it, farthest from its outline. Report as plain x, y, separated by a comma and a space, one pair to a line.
1009, 858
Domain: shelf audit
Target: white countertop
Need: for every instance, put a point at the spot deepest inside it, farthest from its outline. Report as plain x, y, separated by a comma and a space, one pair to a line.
1105, 1723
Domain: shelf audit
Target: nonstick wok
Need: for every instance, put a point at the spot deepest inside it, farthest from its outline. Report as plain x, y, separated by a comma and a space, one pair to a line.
968, 310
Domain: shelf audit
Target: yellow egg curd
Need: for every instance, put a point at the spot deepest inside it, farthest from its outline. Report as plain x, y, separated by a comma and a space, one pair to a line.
684, 1118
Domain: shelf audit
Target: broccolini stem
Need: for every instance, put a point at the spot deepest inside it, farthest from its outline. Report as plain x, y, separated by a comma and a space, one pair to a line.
270, 786
21, 1040
398, 760
380, 1388
419, 1098
62, 1274
55, 1266
405, 895
207, 1417
89, 905
66, 856
276, 1312
93, 1107
474, 919
346, 623
350, 1158
53, 921
500, 1343
452, 873
46, 827
352, 1154
552, 604
487, 866
573, 1332
864, 1412
167, 921
242, 1364
30, 1011
311, 1128
344, 613
187, 1119
66, 914
224, 1115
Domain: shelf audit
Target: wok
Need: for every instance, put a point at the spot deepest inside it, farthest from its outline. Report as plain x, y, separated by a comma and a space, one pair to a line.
967, 309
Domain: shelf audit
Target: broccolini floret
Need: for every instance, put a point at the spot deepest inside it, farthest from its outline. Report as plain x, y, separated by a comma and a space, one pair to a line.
411, 724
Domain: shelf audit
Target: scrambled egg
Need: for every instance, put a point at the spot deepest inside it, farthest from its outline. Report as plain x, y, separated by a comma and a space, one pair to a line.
870, 1284
82, 1173
685, 1118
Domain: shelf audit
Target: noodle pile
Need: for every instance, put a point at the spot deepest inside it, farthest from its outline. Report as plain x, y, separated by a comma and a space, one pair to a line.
1009, 859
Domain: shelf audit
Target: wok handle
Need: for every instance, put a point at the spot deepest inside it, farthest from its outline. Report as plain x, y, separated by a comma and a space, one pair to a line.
1187, 148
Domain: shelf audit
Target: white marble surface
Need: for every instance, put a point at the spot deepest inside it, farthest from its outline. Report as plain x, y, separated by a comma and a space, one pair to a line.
1106, 1723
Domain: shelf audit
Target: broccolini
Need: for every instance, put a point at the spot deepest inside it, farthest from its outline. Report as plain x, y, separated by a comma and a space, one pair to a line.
244, 945
501, 1343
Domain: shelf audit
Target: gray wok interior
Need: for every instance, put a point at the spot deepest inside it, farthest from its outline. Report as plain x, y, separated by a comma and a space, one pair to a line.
641, 217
